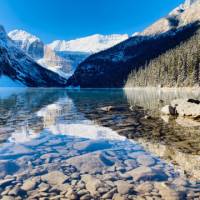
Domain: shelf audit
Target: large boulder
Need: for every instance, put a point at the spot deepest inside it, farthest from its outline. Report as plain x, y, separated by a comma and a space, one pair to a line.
187, 107
183, 108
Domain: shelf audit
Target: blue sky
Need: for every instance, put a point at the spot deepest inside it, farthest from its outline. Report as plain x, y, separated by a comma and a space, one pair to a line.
69, 19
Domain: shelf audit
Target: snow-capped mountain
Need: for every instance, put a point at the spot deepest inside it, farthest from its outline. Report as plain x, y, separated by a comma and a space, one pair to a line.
189, 2
29, 43
63, 57
19, 69
185, 14
91, 44
112, 67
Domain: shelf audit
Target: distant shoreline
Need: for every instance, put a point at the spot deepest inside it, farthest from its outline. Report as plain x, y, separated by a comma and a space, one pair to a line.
164, 88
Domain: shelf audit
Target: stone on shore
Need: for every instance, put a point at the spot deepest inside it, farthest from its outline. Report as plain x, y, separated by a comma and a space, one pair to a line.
183, 108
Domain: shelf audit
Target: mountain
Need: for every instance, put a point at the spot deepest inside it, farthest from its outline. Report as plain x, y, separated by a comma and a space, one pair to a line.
177, 67
186, 13
63, 57
91, 44
31, 44
19, 69
112, 67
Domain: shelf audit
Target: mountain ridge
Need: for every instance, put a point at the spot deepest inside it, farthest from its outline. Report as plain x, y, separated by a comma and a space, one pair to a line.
110, 68
63, 56
90, 44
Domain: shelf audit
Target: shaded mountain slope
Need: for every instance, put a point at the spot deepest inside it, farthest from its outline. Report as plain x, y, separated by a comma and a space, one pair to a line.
19, 67
178, 67
112, 67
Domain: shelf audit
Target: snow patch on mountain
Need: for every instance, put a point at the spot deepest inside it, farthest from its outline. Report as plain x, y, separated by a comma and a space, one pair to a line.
21, 35
91, 44
29, 43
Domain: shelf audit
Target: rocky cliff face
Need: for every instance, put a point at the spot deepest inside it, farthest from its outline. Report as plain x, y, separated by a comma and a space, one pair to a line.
61, 62
32, 45
17, 66
111, 68
56, 63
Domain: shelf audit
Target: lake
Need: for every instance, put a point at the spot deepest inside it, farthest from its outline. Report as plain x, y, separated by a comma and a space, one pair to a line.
96, 144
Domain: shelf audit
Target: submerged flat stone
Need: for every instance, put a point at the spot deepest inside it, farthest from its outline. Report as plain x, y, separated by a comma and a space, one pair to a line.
147, 174
92, 184
30, 184
166, 192
146, 160
54, 178
123, 187
88, 163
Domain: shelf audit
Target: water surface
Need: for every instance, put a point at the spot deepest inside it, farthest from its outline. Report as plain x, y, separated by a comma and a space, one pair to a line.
55, 132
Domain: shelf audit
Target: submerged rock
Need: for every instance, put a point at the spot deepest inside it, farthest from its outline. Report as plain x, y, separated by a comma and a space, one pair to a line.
88, 163
54, 178
123, 187
8, 198
166, 192
92, 184
145, 187
146, 160
147, 174
6, 182
30, 184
